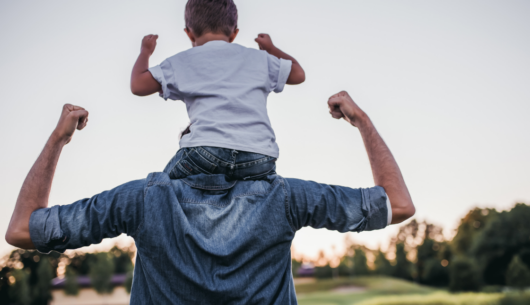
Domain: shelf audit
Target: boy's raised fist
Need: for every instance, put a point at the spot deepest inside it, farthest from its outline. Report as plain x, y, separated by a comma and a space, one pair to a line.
149, 44
264, 42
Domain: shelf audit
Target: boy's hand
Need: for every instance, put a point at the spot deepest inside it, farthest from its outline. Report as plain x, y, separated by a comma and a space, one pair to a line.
149, 44
264, 42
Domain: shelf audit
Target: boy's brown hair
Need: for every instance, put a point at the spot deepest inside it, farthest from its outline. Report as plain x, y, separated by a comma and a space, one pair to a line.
215, 16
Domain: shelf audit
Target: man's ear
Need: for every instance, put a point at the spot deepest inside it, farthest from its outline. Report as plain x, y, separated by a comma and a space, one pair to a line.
233, 35
191, 36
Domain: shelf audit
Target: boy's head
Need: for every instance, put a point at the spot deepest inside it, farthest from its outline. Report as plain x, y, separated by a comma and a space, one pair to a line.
211, 16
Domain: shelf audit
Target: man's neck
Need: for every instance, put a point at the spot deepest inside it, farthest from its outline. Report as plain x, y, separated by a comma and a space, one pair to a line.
206, 37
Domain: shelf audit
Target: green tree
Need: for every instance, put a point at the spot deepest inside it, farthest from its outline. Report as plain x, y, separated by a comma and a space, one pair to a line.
435, 273
71, 286
360, 266
463, 275
345, 267
518, 274
101, 272
382, 264
5, 295
20, 290
324, 272
129, 281
403, 266
470, 227
42, 288
503, 237
122, 260
427, 251
295, 265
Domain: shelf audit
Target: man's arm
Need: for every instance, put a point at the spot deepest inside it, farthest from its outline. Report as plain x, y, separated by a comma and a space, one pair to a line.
36, 188
142, 82
384, 167
297, 75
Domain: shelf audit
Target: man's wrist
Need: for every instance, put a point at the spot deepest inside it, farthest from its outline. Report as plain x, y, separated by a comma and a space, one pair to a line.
57, 139
362, 122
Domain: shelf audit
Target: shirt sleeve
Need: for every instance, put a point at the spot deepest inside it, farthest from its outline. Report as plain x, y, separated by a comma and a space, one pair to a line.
336, 207
164, 74
89, 221
279, 70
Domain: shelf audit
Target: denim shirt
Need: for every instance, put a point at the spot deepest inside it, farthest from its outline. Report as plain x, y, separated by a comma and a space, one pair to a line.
206, 240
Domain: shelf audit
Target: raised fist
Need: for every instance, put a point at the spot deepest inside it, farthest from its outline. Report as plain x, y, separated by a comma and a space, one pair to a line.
264, 42
149, 44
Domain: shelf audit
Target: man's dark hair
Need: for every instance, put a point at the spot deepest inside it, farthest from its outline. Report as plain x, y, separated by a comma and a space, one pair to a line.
215, 16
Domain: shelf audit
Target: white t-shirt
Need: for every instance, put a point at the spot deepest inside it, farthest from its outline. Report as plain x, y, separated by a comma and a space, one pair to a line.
225, 88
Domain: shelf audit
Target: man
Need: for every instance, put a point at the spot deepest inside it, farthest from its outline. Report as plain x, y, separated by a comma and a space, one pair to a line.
204, 239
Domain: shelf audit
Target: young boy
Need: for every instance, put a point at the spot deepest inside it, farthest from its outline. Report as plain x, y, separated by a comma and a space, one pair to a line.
225, 88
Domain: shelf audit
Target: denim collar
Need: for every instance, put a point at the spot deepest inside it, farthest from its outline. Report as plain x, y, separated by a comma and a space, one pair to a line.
209, 182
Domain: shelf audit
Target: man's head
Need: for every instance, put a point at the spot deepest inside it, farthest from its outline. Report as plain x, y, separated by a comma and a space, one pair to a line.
211, 17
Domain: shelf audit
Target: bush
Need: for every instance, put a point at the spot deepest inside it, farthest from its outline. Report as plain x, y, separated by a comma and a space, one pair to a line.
463, 275
324, 272
492, 289
437, 299
101, 272
71, 287
520, 299
434, 273
518, 275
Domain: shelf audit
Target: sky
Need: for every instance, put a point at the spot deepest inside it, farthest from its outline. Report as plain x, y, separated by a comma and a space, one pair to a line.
446, 83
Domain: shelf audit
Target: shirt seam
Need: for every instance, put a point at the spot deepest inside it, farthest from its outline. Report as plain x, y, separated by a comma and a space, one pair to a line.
142, 217
174, 80
286, 206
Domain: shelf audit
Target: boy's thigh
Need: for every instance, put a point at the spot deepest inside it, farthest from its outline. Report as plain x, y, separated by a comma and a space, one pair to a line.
188, 162
256, 169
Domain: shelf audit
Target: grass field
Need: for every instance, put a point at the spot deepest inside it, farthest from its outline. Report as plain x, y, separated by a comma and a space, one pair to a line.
390, 291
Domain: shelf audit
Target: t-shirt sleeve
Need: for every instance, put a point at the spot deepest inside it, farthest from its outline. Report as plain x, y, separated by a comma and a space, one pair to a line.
88, 221
336, 207
279, 70
164, 74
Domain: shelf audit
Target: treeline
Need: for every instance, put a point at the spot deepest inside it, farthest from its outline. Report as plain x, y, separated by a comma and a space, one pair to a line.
26, 276
490, 250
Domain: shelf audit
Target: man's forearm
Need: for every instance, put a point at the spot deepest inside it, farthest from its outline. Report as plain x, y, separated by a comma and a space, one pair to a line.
34, 193
36, 188
386, 172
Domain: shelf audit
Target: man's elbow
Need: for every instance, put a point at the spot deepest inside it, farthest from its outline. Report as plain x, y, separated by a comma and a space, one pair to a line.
410, 211
11, 238
403, 213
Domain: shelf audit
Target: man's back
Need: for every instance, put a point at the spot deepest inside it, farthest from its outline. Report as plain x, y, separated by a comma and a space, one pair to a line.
216, 242
205, 240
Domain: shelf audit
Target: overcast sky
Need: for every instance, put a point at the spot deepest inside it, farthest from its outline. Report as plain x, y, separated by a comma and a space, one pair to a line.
447, 84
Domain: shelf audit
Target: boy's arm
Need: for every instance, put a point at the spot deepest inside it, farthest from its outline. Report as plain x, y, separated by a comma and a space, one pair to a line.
142, 82
297, 75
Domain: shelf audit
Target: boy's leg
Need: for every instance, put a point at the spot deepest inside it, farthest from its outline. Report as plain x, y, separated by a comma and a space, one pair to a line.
240, 165
253, 166
188, 162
